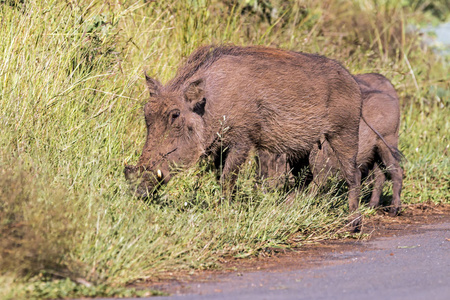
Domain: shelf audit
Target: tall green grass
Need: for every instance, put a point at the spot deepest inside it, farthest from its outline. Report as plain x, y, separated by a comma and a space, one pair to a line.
71, 98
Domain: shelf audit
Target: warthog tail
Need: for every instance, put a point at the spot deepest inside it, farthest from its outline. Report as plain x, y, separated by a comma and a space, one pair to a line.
397, 154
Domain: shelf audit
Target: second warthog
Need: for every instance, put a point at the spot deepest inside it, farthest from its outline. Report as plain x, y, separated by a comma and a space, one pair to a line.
227, 100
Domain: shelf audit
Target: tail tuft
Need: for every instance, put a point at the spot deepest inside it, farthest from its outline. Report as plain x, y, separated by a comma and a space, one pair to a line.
397, 154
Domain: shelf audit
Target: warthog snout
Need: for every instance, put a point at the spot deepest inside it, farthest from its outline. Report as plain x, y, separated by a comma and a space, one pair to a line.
145, 182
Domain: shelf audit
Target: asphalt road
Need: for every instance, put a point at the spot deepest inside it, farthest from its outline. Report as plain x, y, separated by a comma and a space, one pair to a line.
413, 266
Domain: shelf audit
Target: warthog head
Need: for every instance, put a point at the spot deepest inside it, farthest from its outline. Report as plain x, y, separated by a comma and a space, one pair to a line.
174, 121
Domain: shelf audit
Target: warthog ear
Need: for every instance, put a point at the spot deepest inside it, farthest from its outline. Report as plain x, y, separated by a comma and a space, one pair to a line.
153, 85
195, 96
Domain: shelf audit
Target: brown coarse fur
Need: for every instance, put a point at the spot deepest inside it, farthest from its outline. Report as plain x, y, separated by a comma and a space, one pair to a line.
378, 143
227, 100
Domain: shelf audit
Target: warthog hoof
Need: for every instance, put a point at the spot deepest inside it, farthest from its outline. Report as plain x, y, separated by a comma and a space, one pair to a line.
394, 211
355, 222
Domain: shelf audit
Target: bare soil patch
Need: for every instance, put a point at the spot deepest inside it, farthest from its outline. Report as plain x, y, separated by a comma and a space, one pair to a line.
309, 255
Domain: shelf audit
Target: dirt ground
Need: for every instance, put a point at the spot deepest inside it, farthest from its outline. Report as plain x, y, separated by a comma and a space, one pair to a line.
279, 260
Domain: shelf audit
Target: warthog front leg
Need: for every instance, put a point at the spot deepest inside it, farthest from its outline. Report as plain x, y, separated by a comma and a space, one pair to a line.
235, 158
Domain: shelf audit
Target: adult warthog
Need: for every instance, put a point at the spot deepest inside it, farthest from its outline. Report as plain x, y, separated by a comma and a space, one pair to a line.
226, 100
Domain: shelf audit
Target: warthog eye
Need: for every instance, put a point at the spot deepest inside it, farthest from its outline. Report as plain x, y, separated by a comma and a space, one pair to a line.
174, 114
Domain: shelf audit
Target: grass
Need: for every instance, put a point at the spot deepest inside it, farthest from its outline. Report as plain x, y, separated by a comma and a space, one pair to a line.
72, 92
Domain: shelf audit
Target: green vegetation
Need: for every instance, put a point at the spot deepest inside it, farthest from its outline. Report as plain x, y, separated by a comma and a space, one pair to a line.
71, 98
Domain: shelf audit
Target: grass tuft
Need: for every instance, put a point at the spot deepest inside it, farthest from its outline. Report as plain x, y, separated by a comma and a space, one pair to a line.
37, 232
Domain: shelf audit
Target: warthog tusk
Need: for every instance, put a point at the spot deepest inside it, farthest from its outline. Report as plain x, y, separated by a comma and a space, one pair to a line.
125, 163
159, 174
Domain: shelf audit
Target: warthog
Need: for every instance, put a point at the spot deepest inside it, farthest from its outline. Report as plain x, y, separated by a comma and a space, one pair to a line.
378, 143
227, 100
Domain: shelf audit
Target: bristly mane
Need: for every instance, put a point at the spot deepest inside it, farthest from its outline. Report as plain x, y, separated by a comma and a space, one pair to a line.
205, 56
